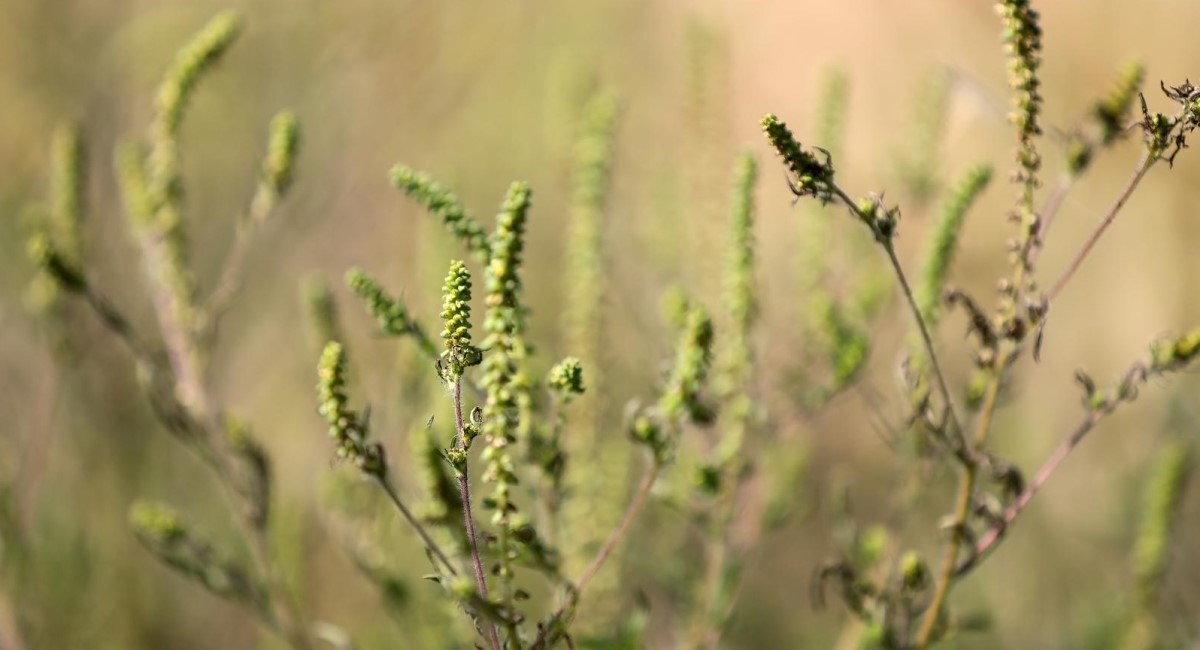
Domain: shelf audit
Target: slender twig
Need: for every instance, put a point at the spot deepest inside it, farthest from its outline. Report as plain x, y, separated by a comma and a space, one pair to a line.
987, 542
1049, 211
636, 503
614, 539
116, 323
1147, 161
413, 522
926, 338
230, 280
262, 205
464, 492
284, 620
962, 509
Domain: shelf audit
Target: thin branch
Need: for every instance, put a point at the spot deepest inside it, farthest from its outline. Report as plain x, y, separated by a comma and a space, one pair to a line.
1049, 211
962, 509
987, 542
262, 205
1147, 161
634, 508
926, 338
115, 321
464, 491
230, 280
416, 525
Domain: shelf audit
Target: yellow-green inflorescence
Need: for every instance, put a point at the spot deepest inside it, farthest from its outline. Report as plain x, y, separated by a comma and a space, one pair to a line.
161, 530
741, 304
1161, 499
504, 324
278, 166
282, 145
1112, 112
811, 176
682, 398
943, 241
456, 314
197, 58
391, 313
1111, 118
1023, 42
55, 246
566, 378
920, 167
320, 310
442, 204
345, 426
590, 508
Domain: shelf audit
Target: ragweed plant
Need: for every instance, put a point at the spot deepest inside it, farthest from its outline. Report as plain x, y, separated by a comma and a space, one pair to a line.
174, 372
908, 606
521, 456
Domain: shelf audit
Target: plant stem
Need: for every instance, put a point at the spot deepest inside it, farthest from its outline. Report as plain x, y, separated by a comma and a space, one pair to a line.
412, 521
631, 512
926, 338
962, 508
1046, 217
464, 492
284, 616
989, 539
1149, 157
635, 507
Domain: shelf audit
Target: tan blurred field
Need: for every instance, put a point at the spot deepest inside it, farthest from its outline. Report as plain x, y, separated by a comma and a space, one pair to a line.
482, 93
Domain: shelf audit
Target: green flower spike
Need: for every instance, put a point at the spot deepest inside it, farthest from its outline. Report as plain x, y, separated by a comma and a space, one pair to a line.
456, 313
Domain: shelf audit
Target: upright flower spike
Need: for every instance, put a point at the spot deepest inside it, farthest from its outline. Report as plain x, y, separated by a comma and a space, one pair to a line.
1163, 493
192, 62
456, 314
442, 204
1111, 115
740, 299
584, 277
55, 245
1023, 42
920, 168
320, 310
277, 169
740, 302
160, 529
391, 313
345, 426
681, 398
68, 185
1161, 499
282, 145
504, 323
943, 241
1113, 111
196, 58
590, 507
810, 176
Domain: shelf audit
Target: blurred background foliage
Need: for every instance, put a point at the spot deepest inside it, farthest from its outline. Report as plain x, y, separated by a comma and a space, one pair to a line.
481, 93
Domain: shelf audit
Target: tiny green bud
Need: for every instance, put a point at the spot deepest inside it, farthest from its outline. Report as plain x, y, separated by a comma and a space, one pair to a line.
566, 377
281, 152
